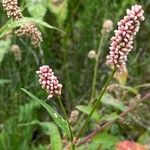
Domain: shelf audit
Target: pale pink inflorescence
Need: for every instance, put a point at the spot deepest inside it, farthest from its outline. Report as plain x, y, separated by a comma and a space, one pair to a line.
30, 30
49, 81
12, 9
122, 41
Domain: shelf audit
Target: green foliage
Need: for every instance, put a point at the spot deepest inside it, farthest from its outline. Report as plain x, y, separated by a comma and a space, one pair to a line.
4, 47
37, 8
49, 129
106, 141
13, 136
60, 10
144, 138
87, 109
56, 143
58, 119
109, 117
4, 81
102, 141
110, 101
14, 24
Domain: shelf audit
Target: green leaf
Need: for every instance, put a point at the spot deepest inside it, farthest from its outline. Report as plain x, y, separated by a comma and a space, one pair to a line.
144, 138
27, 113
110, 101
121, 77
130, 89
57, 118
106, 141
60, 10
14, 24
37, 8
102, 141
3, 140
110, 117
52, 130
87, 110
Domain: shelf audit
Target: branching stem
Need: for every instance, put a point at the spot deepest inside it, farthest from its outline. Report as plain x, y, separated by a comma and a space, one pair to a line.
95, 106
96, 67
66, 117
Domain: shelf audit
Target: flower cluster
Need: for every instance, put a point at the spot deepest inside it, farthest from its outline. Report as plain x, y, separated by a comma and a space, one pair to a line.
49, 81
31, 31
74, 116
107, 26
122, 42
12, 9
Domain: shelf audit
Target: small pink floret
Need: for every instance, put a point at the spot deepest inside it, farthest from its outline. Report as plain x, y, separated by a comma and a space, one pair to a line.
122, 41
49, 81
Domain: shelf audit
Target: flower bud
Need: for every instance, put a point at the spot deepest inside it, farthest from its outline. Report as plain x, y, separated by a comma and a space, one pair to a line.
92, 54
107, 26
74, 116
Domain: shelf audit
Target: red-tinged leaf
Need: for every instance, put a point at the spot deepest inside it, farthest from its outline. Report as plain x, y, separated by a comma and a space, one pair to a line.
129, 145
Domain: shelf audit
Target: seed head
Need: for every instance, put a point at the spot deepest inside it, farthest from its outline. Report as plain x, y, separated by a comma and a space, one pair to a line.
122, 41
74, 116
107, 26
12, 9
31, 31
92, 54
49, 81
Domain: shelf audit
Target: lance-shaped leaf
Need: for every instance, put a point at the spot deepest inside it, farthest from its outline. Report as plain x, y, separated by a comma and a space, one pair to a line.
57, 118
10, 25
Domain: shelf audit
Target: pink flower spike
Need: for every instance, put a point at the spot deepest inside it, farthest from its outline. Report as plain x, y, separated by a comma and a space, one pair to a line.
122, 41
49, 81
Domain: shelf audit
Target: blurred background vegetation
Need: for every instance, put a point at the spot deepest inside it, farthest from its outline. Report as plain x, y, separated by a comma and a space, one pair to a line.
67, 54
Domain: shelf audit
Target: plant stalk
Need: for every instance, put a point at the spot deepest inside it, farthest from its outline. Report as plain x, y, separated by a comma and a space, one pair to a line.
66, 117
95, 106
93, 93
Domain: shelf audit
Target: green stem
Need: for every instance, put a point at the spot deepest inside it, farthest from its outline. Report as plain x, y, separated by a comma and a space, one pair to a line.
95, 105
93, 93
96, 67
66, 117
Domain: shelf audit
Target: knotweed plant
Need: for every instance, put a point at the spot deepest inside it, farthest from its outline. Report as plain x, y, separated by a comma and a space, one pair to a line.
121, 44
